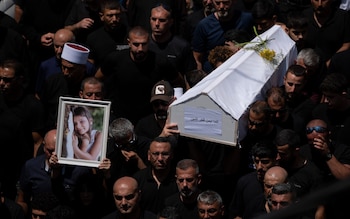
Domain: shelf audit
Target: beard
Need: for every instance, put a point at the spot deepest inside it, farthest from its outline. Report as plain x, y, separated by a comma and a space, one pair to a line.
223, 14
161, 115
140, 56
186, 192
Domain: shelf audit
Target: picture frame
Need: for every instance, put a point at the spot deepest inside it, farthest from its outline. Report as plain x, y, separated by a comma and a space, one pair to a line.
82, 131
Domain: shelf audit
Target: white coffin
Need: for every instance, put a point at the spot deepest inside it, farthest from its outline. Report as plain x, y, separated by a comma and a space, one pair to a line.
212, 109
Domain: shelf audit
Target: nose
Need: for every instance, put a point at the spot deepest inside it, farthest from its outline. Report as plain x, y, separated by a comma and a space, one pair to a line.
259, 27
65, 70
292, 88
319, 2
277, 115
326, 100
278, 157
221, 5
252, 127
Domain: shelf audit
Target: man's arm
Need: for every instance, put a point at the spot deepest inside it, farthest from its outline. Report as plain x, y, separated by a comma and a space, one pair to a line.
198, 58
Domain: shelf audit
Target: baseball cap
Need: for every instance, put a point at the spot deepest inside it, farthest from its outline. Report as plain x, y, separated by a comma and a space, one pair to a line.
75, 53
162, 90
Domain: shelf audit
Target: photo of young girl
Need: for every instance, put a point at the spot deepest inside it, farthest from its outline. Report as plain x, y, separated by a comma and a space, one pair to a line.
86, 142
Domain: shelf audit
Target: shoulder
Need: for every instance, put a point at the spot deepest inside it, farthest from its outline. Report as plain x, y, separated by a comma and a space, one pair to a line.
149, 215
142, 175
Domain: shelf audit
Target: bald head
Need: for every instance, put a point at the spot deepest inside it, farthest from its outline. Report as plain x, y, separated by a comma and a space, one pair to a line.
127, 196
61, 37
125, 183
277, 173
50, 142
273, 176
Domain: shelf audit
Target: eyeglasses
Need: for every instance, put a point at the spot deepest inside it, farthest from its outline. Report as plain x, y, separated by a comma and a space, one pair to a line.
97, 94
266, 161
162, 154
127, 197
138, 44
256, 124
6, 79
125, 145
38, 216
318, 129
283, 204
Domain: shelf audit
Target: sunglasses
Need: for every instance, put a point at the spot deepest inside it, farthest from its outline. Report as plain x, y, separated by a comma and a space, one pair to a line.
7, 80
318, 129
127, 146
127, 197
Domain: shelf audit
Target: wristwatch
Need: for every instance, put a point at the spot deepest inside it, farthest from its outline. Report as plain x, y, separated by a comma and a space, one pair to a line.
328, 156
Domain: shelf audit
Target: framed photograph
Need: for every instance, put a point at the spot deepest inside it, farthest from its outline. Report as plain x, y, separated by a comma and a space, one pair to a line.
82, 131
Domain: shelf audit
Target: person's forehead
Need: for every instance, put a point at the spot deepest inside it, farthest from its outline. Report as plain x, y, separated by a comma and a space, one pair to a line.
123, 189
7, 72
111, 11
202, 205
66, 63
275, 104
316, 123
89, 86
291, 76
188, 172
280, 197
137, 38
160, 146
256, 117
160, 11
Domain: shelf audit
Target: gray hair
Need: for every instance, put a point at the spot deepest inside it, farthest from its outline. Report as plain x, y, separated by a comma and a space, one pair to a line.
184, 164
309, 56
209, 197
284, 188
120, 128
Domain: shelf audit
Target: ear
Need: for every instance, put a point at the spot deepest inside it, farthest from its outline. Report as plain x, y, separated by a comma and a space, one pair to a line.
274, 18
101, 16
171, 21
199, 178
222, 210
81, 94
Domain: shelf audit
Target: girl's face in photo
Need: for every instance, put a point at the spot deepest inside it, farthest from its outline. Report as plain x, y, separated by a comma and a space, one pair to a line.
81, 124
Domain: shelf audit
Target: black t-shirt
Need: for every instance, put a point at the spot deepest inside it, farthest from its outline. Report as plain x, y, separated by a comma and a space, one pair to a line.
186, 211
153, 197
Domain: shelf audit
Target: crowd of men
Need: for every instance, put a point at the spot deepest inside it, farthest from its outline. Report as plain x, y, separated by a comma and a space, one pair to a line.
134, 54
